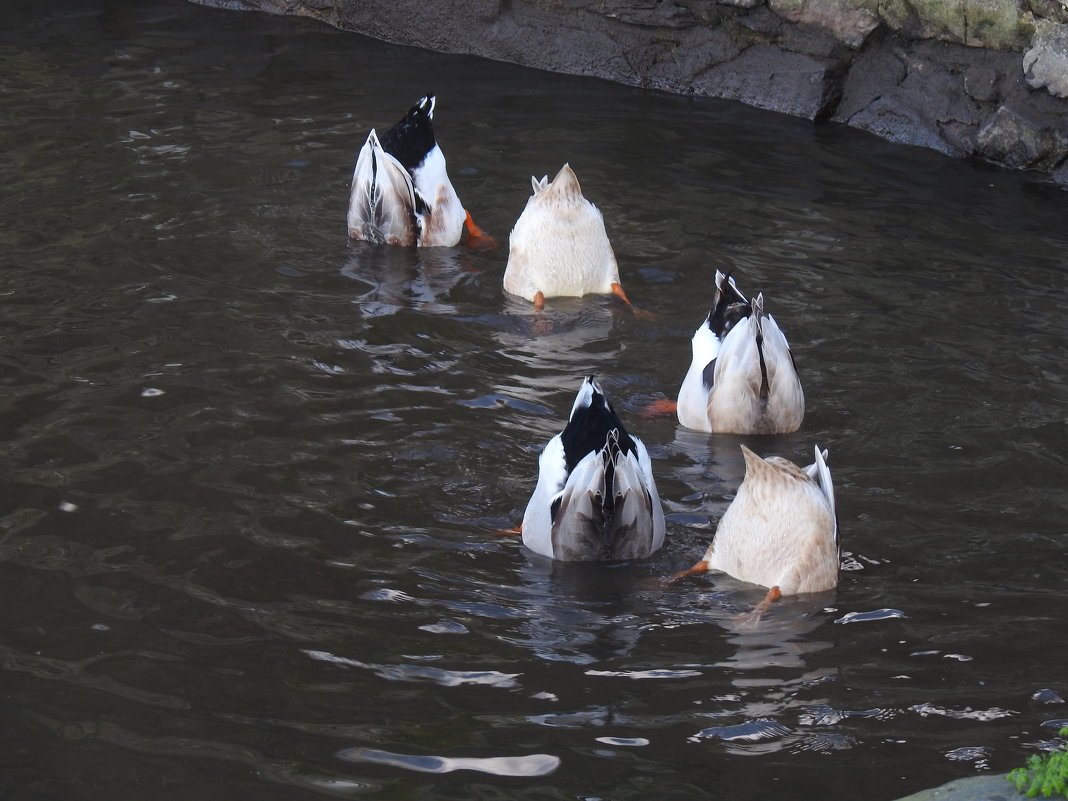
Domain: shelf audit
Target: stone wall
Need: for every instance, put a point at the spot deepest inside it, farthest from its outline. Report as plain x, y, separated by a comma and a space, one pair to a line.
982, 78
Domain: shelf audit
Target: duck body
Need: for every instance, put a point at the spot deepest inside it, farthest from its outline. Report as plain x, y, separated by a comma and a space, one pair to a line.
780, 531
401, 193
595, 498
742, 378
559, 246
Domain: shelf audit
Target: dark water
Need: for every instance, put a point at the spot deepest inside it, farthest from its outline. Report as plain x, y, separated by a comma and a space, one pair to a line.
252, 470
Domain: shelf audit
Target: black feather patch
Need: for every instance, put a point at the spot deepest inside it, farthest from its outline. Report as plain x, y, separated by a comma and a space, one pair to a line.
765, 386
708, 375
554, 507
729, 306
588, 429
413, 137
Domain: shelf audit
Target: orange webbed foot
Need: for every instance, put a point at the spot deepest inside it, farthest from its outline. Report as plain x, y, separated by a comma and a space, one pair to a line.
509, 532
617, 290
476, 237
753, 617
539, 300
661, 407
700, 567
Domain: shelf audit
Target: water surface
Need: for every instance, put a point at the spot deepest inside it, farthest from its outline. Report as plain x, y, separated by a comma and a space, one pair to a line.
253, 470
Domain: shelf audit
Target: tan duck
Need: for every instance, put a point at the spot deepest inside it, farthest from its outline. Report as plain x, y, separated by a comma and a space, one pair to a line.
559, 246
742, 378
780, 531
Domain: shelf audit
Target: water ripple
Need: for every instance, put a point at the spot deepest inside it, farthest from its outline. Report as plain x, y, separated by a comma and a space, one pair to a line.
967, 713
531, 765
750, 732
874, 615
658, 673
440, 676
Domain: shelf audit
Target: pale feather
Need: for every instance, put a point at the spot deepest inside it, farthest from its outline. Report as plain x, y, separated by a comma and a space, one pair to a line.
780, 529
736, 402
442, 221
559, 245
579, 530
381, 198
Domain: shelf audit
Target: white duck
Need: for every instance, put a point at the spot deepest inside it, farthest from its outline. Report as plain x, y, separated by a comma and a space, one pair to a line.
401, 193
742, 379
780, 531
559, 246
595, 498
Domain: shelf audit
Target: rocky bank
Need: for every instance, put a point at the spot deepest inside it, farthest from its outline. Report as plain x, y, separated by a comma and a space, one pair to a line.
969, 78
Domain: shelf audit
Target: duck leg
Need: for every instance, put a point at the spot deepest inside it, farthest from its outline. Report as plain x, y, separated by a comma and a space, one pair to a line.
700, 567
758, 611
660, 407
617, 290
476, 237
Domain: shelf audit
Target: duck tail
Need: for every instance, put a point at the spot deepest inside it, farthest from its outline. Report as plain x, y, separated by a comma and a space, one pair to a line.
823, 479
754, 463
729, 305
756, 319
411, 139
565, 186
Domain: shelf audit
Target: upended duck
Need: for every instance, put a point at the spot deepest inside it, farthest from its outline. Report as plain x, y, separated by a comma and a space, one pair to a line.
559, 246
401, 193
780, 531
742, 378
595, 498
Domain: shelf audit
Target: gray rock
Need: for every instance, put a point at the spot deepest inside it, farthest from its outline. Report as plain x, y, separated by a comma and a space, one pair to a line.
1048, 9
767, 77
976, 788
697, 50
1046, 62
1010, 138
850, 22
996, 24
877, 71
981, 83
666, 14
927, 106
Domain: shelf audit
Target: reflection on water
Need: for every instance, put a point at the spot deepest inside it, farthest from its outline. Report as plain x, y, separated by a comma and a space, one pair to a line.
403, 278
254, 470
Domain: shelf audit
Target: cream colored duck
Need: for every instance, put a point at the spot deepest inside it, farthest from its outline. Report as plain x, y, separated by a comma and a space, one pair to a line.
780, 531
595, 498
559, 246
742, 379
401, 193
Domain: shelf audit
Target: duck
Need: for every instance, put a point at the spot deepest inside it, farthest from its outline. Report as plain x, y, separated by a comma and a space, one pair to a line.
559, 246
780, 531
401, 193
595, 498
742, 378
